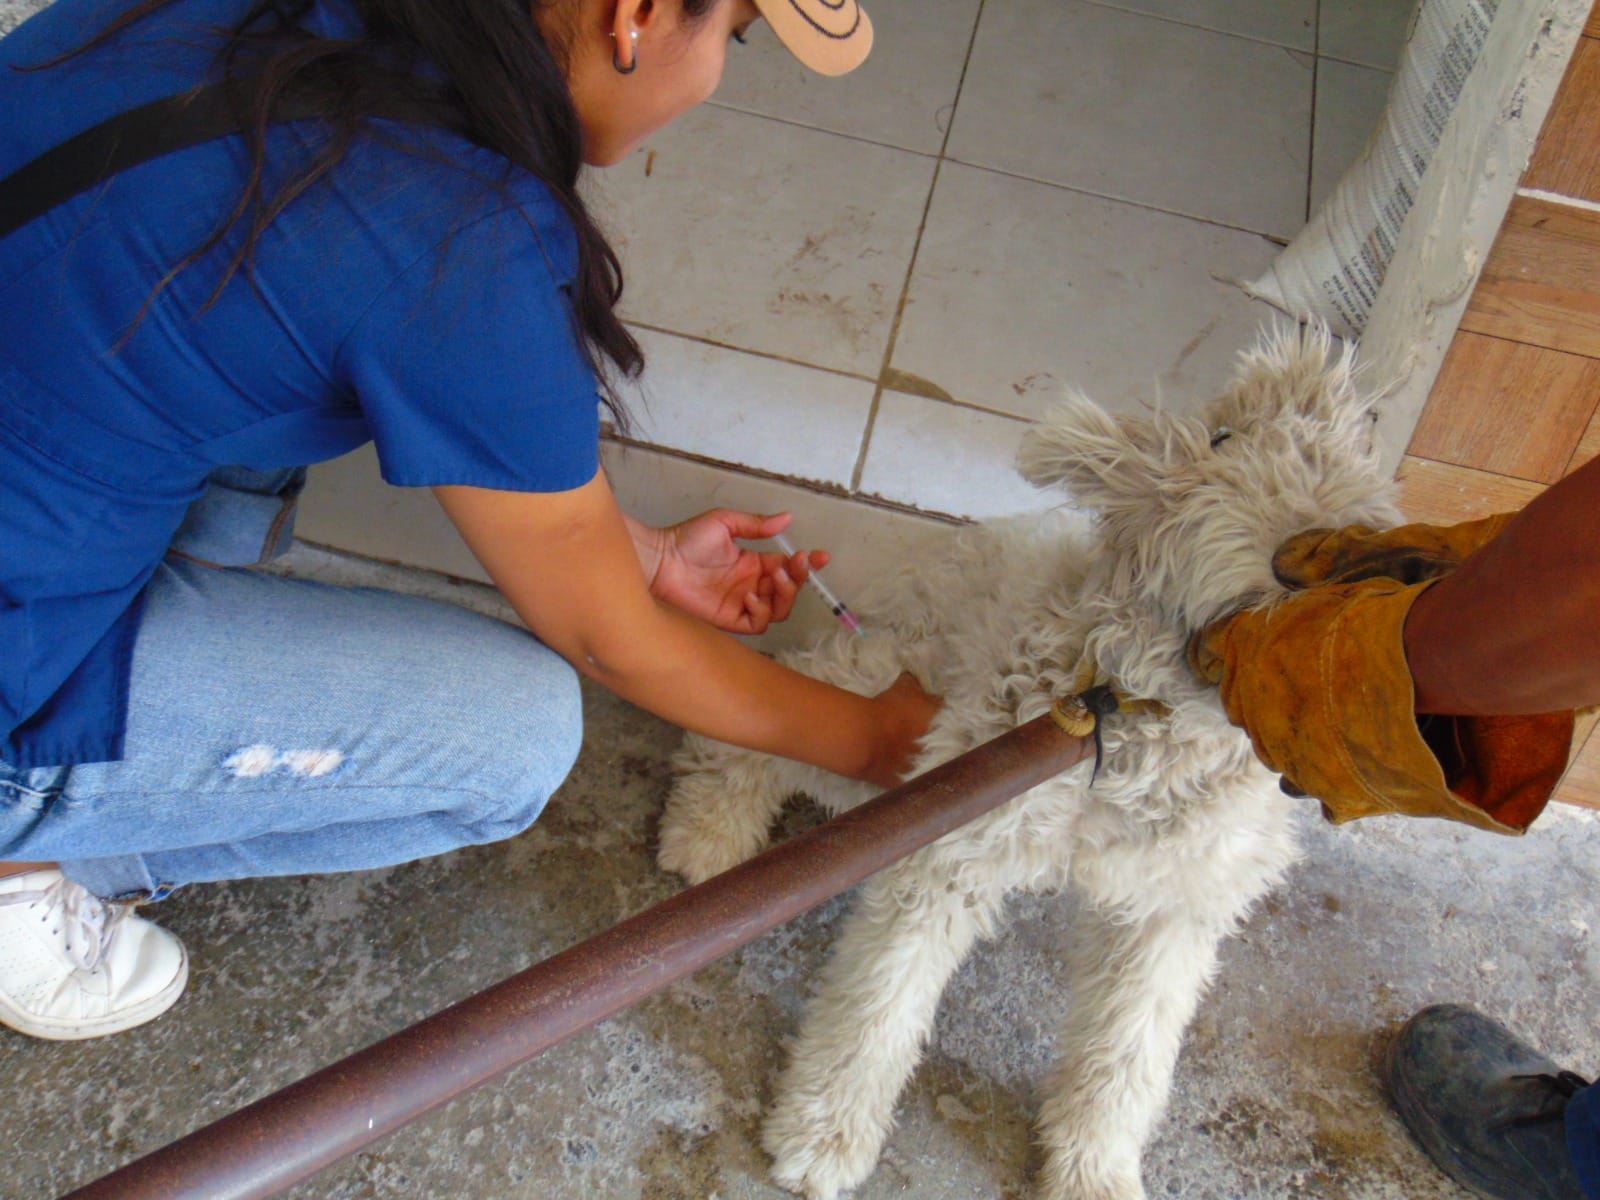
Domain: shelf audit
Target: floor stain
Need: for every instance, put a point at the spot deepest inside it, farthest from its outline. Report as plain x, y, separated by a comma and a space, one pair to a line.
912, 385
681, 1167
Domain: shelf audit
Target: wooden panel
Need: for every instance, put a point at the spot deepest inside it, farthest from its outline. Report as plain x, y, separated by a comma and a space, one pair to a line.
1582, 731
1581, 783
1588, 447
1566, 159
1541, 283
1508, 408
1444, 494
1541, 286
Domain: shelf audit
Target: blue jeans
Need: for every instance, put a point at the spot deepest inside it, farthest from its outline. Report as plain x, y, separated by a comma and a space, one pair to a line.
281, 726
1583, 1139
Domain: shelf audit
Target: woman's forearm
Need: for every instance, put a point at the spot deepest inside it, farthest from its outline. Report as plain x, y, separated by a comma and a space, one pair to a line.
684, 671
646, 544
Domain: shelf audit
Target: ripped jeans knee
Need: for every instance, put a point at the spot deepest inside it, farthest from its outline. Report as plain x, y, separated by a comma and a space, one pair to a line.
279, 726
254, 761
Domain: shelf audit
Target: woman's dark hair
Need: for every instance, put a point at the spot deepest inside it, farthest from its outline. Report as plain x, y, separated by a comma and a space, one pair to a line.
480, 66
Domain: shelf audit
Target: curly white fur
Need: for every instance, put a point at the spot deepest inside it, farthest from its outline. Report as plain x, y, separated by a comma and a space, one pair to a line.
1181, 832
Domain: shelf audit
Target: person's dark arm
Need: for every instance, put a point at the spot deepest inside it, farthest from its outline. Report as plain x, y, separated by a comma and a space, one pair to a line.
1516, 628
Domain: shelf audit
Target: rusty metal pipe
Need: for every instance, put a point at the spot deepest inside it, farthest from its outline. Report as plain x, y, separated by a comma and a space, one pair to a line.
286, 1137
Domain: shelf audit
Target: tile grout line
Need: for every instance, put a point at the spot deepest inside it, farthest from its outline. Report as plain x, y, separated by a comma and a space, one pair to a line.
839, 372
769, 355
941, 157
1454, 466
1515, 341
1316, 83
911, 266
1165, 19
1111, 198
1572, 463
796, 124
814, 486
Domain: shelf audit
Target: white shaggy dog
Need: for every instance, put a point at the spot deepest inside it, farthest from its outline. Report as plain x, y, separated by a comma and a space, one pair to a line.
1168, 847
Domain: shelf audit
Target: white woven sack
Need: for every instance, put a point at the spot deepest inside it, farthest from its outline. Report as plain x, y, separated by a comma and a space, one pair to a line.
1332, 270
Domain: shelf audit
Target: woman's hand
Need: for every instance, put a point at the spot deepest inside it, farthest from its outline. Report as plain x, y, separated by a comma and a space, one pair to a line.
905, 712
697, 567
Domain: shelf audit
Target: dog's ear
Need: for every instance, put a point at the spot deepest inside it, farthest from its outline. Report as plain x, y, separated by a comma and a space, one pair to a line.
1293, 371
1088, 452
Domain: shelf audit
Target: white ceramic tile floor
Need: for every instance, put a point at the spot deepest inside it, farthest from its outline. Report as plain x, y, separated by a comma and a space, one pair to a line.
763, 413
862, 290
1010, 198
974, 451
767, 236
1369, 32
1291, 23
902, 95
1139, 109
1022, 290
1350, 103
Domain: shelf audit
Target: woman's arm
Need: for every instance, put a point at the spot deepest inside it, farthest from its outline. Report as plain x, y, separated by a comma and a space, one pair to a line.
568, 565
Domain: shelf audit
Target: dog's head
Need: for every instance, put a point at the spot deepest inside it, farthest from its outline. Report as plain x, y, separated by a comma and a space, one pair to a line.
1193, 507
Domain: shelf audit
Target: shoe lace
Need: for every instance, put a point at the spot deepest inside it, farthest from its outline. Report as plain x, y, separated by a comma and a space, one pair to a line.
90, 923
1558, 1089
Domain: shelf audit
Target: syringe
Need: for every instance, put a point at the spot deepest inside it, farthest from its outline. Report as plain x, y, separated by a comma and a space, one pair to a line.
846, 617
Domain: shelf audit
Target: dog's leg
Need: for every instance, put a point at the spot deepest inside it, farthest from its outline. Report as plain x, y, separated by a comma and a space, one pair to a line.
726, 799
864, 1031
1134, 987
721, 808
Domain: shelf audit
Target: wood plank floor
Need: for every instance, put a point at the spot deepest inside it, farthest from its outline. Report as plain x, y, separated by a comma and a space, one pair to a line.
1516, 405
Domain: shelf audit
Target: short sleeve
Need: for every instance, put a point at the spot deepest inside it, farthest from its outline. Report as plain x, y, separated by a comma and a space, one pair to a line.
467, 366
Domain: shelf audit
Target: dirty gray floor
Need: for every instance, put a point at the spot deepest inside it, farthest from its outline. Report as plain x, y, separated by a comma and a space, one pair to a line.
1276, 1095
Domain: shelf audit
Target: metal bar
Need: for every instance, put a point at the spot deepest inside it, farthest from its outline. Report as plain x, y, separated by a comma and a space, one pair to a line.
286, 1137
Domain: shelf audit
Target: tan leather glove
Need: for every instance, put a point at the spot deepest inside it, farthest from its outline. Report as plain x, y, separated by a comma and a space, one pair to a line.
1407, 553
1320, 683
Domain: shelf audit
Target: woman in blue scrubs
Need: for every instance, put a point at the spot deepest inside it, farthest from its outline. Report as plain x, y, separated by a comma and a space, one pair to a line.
402, 258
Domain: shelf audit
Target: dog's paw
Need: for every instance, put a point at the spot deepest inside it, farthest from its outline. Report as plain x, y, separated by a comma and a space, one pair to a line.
1079, 1183
685, 852
819, 1161
1115, 1190
699, 839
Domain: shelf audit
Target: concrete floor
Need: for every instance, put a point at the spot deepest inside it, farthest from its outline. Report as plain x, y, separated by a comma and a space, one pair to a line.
1276, 1093
1275, 1097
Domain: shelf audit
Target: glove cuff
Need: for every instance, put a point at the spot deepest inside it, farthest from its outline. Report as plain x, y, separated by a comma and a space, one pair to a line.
1348, 735
1494, 773
1505, 767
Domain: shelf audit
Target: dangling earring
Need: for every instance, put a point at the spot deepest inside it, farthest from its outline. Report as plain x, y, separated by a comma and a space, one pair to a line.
633, 35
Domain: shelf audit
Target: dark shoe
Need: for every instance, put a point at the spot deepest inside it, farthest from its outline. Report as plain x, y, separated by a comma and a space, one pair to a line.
1488, 1109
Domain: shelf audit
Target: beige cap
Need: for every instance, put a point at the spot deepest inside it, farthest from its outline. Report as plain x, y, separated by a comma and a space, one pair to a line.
829, 36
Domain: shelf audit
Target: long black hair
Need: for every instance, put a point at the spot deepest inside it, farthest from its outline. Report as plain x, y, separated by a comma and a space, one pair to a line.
494, 77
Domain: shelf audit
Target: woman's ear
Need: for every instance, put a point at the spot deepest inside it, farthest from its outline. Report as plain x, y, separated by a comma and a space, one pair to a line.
632, 20
622, 32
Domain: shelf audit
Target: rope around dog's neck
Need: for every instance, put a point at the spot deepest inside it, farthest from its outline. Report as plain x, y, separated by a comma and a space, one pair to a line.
1079, 714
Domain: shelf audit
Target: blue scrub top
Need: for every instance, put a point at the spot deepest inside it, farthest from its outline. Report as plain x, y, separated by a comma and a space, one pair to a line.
406, 300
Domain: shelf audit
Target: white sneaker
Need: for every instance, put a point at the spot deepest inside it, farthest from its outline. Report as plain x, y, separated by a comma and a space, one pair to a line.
74, 967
